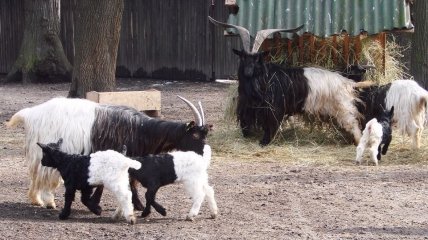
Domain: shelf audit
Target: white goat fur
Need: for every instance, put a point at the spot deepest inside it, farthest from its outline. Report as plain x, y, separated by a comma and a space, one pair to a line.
410, 104
191, 170
331, 94
372, 137
110, 168
43, 180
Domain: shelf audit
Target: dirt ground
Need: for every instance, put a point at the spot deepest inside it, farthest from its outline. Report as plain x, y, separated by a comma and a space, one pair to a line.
257, 199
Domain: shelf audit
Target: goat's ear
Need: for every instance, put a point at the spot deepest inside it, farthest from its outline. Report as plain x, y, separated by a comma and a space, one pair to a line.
190, 125
237, 52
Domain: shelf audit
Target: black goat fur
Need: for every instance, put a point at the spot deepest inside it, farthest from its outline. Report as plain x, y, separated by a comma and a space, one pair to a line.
373, 102
156, 171
267, 94
74, 170
385, 120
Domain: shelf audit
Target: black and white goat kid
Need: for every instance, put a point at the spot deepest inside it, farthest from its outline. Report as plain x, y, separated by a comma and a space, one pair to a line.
187, 167
269, 93
88, 127
377, 132
81, 172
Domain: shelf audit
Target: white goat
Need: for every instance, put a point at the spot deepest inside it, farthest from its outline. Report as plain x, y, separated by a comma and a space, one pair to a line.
375, 134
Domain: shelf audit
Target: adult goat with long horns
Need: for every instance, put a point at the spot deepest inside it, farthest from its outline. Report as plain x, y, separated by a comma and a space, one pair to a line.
269, 93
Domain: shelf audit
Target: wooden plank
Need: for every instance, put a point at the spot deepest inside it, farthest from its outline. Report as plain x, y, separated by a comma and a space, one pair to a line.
149, 100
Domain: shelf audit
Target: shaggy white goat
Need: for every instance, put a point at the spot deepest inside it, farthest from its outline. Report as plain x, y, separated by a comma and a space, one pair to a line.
410, 103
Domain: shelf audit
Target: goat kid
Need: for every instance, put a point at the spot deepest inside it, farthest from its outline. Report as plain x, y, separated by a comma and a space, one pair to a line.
269, 93
188, 167
376, 133
88, 127
80, 172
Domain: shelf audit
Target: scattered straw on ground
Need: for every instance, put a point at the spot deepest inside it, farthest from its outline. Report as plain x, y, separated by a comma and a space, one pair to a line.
305, 146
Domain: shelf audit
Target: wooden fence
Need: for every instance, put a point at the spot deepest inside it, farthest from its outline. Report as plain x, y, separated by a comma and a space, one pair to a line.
168, 39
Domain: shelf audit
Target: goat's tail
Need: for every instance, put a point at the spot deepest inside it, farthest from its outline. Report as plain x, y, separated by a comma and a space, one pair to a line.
17, 119
134, 164
423, 101
364, 84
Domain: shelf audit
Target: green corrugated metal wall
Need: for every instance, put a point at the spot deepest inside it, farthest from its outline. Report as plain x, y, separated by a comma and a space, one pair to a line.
323, 17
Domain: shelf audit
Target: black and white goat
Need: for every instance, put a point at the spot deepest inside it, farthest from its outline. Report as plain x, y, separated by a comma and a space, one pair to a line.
88, 127
82, 172
377, 132
187, 167
410, 103
269, 93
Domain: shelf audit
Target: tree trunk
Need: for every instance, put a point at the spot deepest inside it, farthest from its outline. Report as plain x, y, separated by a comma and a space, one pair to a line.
41, 56
419, 56
96, 41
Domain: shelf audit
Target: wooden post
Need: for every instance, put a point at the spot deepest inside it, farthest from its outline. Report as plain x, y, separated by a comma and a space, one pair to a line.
346, 49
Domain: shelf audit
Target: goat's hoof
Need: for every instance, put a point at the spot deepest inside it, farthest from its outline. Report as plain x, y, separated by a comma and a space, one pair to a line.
97, 210
162, 211
63, 216
190, 219
138, 207
214, 216
50, 207
145, 214
132, 220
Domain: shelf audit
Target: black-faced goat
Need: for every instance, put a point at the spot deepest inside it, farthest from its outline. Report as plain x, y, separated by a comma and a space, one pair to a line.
269, 93
88, 127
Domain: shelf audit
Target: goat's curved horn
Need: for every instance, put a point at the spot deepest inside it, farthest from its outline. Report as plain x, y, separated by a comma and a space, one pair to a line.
243, 32
368, 66
263, 34
202, 112
196, 114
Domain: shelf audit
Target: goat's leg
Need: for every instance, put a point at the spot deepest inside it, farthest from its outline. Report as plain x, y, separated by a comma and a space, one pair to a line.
48, 193
269, 132
69, 198
378, 156
374, 154
135, 200
244, 128
195, 189
386, 145
150, 201
124, 198
209, 192
86, 200
360, 151
96, 197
